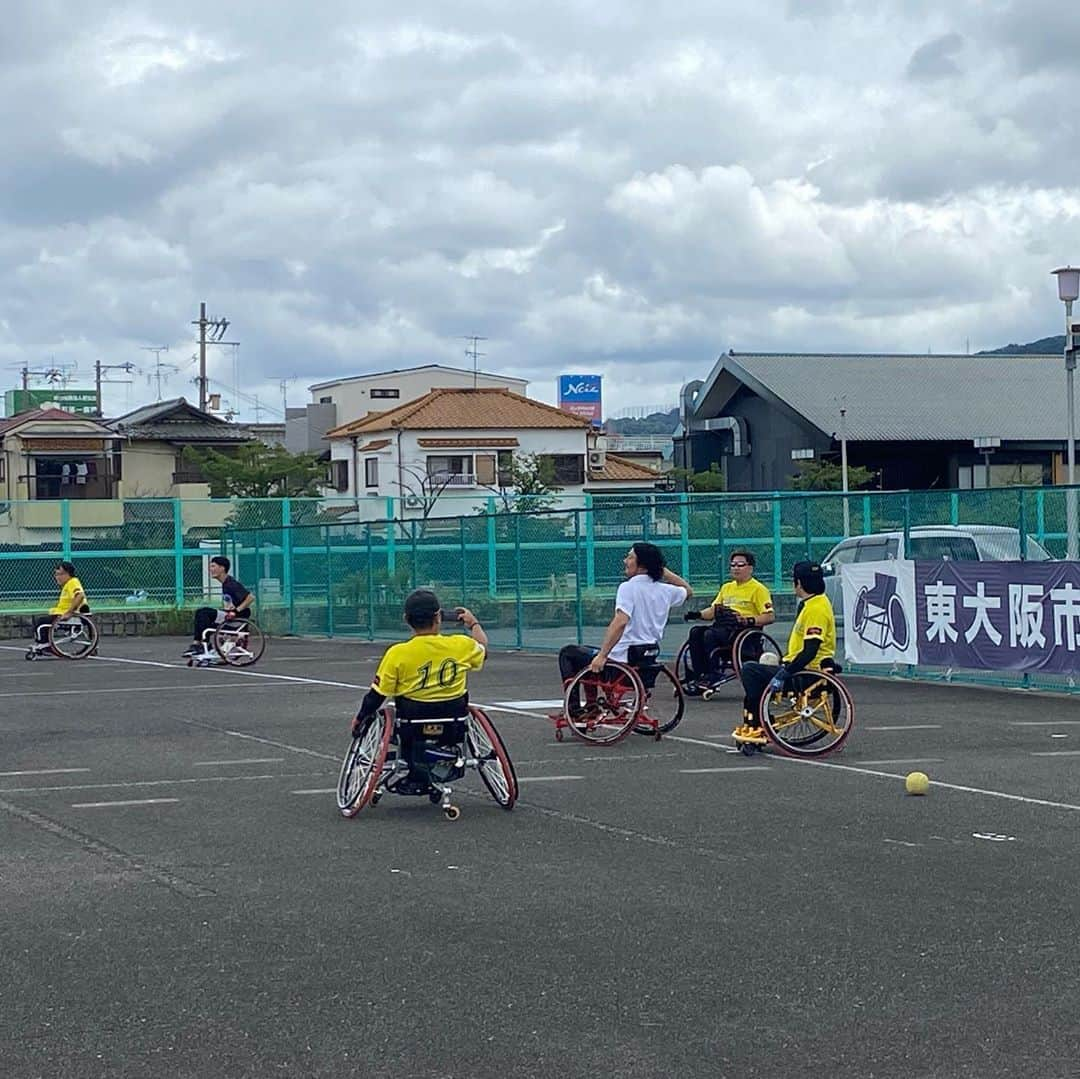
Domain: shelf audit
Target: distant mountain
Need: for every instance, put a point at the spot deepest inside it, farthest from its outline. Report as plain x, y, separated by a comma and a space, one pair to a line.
659, 423
1048, 346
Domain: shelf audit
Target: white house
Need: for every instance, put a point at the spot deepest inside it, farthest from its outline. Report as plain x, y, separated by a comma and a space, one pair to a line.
455, 447
341, 400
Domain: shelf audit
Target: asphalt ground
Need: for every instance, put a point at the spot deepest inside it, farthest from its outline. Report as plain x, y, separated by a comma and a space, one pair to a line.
181, 898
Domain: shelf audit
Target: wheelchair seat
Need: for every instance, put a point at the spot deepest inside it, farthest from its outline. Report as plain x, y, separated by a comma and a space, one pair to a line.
645, 659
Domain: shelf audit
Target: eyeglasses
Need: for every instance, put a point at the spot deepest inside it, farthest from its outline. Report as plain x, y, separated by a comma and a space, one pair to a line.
738, 565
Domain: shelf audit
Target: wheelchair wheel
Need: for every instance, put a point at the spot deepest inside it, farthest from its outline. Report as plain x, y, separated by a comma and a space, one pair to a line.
683, 671
601, 708
811, 716
749, 647
665, 702
861, 605
362, 768
73, 638
493, 762
898, 627
239, 646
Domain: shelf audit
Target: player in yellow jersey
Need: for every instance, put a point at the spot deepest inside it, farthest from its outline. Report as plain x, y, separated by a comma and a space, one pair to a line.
812, 645
742, 603
427, 675
72, 600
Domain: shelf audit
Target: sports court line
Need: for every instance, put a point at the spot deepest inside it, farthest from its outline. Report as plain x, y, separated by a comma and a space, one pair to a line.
547, 779
262, 741
235, 671
326, 790
907, 727
44, 772
908, 760
128, 689
729, 768
132, 802
1058, 753
134, 783
1045, 723
242, 760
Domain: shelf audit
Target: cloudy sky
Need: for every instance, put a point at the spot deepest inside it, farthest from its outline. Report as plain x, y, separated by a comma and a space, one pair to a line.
605, 186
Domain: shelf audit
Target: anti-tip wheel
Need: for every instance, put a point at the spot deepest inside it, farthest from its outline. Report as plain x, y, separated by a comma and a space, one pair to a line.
558, 730
452, 812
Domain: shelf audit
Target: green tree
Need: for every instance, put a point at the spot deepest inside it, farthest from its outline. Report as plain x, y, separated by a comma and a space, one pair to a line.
711, 481
255, 470
829, 476
528, 486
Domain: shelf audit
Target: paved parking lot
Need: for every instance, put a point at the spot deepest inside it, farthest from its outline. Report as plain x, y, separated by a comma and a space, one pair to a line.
181, 897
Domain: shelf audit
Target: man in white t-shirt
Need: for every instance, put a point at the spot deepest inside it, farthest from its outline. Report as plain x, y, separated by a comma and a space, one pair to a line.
641, 612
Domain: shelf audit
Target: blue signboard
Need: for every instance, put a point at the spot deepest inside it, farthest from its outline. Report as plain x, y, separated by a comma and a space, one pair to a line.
580, 395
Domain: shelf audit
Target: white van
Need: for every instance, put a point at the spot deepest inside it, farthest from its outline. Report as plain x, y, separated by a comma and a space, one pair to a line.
928, 543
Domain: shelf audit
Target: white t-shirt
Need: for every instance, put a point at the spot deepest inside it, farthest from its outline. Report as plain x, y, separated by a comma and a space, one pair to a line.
647, 603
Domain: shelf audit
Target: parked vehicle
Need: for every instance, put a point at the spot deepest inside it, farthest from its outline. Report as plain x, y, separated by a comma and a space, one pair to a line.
928, 543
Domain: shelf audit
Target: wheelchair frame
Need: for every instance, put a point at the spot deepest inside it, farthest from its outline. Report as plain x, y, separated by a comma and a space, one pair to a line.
881, 608
57, 639
730, 665
369, 771
236, 642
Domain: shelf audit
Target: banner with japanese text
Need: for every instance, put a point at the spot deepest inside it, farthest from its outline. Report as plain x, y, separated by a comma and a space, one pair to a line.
879, 612
1015, 616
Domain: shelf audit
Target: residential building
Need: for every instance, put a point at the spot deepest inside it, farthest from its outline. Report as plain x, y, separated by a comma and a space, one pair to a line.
914, 421
455, 447
340, 401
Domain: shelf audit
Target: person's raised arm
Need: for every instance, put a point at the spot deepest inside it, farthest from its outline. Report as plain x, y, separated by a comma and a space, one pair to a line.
670, 577
472, 624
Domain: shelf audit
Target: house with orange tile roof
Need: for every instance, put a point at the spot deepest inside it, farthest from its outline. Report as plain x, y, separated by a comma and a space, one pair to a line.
458, 445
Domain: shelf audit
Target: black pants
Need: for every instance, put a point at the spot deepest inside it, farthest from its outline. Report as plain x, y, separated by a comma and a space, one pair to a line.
755, 677
574, 658
207, 617
703, 639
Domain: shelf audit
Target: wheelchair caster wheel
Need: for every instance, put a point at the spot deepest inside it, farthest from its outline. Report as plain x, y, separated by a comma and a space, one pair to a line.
558, 730
31, 655
191, 663
375, 799
708, 694
451, 812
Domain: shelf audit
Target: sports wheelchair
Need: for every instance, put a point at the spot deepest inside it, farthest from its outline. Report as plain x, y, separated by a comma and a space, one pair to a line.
640, 695
423, 757
74, 637
236, 642
725, 661
812, 715
879, 614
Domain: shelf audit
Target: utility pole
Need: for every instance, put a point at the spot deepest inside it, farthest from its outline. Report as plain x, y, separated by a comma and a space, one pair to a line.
98, 368
283, 385
472, 352
216, 328
157, 350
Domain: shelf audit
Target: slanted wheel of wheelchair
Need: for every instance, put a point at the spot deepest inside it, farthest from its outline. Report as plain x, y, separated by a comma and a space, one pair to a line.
362, 768
897, 619
239, 644
750, 646
665, 701
812, 715
861, 608
486, 747
602, 707
73, 638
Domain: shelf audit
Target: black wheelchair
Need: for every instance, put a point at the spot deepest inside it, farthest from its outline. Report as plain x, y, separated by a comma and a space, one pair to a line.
424, 757
236, 642
74, 637
746, 645
879, 614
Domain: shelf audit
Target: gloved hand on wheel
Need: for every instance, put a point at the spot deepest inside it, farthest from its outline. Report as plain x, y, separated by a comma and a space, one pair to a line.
692, 616
778, 680
358, 724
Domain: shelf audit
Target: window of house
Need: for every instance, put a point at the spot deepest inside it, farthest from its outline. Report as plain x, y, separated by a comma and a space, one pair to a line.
326, 400
2, 476
371, 472
454, 471
339, 475
386, 393
485, 469
566, 469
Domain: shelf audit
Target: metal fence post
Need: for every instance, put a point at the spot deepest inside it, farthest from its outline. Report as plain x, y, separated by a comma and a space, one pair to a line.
286, 560
370, 587
907, 523
65, 528
684, 532
258, 571
867, 515
329, 585
806, 525
1040, 515
412, 568
720, 542
590, 544
1021, 522
579, 614
178, 553
492, 549
778, 544
464, 564
520, 609
954, 508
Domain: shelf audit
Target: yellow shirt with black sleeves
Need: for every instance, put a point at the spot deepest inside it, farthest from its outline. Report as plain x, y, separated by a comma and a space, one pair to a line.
748, 599
71, 588
428, 667
815, 622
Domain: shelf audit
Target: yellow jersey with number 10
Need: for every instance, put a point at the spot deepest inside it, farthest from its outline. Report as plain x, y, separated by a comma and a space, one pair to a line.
428, 667
815, 622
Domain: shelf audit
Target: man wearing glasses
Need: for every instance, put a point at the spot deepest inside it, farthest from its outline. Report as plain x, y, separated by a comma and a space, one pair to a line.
743, 602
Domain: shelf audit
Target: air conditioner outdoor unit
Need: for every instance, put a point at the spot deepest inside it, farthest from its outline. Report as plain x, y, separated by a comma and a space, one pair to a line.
413, 502
597, 459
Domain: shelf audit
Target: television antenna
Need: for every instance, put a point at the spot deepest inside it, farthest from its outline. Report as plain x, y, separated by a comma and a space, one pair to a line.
473, 353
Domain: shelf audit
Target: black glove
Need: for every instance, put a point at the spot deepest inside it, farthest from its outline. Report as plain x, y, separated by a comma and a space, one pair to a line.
692, 616
358, 724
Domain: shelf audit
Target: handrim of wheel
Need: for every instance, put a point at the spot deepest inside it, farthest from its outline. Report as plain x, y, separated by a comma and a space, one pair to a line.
812, 716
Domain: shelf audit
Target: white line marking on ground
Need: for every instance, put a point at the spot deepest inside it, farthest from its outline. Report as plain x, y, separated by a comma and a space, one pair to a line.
242, 760
901, 843
554, 703
146, 783
134, 802
1058, 753
908, 760
276, 745
44, 771
729, 768
699, 742
325, 790
547, 779
907, 727
510, 711
1045, 723
130, 689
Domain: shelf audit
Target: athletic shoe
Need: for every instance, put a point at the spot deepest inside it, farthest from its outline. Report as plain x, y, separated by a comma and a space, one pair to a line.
192, 650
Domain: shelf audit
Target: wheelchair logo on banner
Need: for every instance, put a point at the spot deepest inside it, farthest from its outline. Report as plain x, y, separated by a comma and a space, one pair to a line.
879, 612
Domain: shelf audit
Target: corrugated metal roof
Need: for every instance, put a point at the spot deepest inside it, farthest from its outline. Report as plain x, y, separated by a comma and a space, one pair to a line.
908, 398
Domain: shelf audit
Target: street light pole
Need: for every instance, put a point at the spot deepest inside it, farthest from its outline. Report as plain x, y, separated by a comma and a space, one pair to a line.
843, 469
1068, 281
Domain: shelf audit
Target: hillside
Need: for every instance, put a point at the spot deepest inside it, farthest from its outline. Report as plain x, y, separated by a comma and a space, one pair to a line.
658, 423
1047, 346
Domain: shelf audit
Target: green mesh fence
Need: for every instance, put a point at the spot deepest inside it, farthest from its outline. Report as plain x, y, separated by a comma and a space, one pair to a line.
343, 566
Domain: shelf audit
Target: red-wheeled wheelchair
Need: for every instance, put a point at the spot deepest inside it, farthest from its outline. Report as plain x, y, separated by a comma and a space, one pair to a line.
423, 757
641, 695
